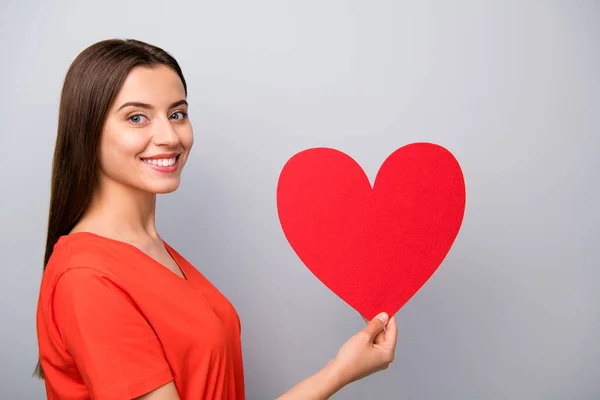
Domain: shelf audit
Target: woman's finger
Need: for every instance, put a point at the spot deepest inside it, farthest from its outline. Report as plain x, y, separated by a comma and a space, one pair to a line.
391, 332
380, 336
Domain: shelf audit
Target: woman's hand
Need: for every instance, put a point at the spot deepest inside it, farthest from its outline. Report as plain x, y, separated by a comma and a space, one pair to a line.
369, 351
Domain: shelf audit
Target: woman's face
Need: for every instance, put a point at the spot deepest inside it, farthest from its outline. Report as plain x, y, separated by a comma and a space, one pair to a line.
147, 136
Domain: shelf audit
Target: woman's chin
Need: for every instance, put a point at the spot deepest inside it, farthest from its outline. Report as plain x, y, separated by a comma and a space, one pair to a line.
163, 187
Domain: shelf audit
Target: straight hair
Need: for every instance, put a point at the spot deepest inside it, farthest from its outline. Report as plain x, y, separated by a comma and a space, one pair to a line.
91, 84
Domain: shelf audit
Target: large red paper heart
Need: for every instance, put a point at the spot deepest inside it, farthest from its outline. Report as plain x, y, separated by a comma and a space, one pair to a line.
373, 246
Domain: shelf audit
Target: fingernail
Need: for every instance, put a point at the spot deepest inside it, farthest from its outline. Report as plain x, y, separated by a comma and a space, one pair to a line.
383, 317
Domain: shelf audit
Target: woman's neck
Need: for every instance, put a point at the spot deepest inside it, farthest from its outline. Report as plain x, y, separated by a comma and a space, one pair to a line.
120, 212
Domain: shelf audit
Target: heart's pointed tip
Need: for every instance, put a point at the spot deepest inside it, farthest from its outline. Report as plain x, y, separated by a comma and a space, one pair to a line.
370, 314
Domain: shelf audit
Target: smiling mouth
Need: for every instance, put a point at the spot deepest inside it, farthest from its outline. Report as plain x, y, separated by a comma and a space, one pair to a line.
164, 165
161, 162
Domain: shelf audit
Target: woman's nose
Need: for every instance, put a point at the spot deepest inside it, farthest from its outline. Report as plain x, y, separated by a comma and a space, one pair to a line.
165, 134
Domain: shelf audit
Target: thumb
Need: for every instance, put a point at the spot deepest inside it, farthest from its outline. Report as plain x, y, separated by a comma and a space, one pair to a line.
377, 324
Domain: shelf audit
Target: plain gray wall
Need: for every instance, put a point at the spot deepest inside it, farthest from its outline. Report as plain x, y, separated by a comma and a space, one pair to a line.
511, 88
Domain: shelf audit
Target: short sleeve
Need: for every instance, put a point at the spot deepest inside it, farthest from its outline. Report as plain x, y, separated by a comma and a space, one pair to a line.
112, 344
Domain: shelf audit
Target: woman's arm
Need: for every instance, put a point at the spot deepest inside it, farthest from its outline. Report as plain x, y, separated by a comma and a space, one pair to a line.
370, 350
321, 385
165, 392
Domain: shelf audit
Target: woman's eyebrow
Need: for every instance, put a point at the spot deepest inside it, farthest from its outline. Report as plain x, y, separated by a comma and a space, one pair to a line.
148, 106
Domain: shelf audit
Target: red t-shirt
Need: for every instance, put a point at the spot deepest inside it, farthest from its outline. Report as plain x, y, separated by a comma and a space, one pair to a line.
113, 323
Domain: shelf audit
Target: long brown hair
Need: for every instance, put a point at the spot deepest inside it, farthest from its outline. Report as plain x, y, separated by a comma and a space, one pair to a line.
90, 86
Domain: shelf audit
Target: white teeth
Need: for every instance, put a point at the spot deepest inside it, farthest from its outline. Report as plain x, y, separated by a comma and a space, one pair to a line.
161, 162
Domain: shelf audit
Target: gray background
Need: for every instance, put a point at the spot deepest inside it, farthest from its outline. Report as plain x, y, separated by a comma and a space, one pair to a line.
511, 88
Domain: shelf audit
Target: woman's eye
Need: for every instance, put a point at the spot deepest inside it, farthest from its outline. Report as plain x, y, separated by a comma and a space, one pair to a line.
182, 115
136, 119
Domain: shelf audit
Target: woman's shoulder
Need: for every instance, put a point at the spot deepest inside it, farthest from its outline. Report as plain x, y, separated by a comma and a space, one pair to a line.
82, 250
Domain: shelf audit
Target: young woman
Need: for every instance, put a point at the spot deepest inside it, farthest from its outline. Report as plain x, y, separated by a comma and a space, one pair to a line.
121, 314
